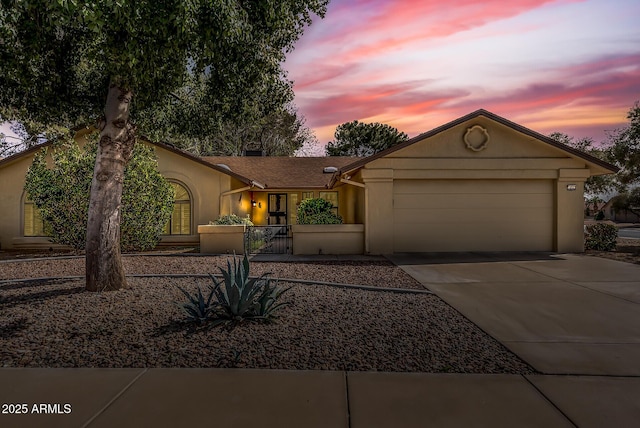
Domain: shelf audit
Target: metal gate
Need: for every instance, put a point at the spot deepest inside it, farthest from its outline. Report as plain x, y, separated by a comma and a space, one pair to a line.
268, 239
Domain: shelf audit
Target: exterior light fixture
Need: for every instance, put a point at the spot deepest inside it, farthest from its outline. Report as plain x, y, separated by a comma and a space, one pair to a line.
253, 203
571, 187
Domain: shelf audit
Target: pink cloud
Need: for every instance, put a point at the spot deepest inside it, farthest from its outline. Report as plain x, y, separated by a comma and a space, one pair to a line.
401, 100
610, 83
607, 86
323, 72
369, 28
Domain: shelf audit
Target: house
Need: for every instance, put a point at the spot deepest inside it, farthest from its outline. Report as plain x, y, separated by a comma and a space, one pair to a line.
478, 183
619, 216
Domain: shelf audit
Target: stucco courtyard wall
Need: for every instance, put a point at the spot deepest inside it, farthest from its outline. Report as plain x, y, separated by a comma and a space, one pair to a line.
328, 239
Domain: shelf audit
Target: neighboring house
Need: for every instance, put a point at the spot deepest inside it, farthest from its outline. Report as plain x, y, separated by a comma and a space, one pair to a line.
479, 183
620, 216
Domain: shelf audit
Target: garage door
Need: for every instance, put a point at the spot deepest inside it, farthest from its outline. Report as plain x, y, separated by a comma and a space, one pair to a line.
473, 215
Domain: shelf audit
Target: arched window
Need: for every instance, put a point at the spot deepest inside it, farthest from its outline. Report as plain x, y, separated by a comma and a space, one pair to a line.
180, 221
32, 220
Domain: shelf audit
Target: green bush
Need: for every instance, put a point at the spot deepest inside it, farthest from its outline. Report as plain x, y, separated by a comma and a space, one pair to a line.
232, 219
601, 237
599, 216
317, 211
62, 191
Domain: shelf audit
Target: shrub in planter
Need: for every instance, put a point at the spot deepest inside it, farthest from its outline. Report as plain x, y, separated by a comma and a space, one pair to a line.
601, 237
232, 219
317, 211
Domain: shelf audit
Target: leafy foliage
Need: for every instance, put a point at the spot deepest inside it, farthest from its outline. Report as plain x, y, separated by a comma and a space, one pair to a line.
108, 62
232, 219
628, 201
267, 120
624, 151
236, 297
601, 237
317, 211
197, 68
599, 183
363, 139
62, 195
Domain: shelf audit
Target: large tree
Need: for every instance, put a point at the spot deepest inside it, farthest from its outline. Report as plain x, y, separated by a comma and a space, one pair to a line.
66, 62
624, 150
363, 139
264, 118
598, 184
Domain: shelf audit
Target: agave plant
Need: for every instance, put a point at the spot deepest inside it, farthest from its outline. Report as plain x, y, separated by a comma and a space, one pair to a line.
198, 308
268, 303
241, 297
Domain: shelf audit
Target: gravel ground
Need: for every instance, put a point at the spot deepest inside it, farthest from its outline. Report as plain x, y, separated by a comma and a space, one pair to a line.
628, 250
376, 273
57, 324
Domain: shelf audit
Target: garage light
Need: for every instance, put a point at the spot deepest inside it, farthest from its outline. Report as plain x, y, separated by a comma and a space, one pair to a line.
571, 187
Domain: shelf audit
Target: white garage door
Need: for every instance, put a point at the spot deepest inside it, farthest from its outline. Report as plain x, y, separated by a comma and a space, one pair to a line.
473, 215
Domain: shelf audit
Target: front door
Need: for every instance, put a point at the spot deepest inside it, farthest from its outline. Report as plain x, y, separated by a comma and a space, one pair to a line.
277, 208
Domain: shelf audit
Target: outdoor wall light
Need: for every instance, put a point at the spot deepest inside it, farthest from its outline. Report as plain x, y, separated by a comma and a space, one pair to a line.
253, 203
571, 187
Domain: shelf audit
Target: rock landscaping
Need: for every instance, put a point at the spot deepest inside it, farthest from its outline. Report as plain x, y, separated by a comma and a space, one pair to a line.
55, 323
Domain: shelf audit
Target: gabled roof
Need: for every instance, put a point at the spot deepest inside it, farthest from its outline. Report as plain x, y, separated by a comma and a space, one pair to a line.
180, 152
165, 146
543, 138
280, 172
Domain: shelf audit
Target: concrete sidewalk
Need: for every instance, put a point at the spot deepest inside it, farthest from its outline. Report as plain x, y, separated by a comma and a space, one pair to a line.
270, 398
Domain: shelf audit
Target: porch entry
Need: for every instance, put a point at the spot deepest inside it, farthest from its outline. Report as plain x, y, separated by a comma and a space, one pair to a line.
277, 208
268, 239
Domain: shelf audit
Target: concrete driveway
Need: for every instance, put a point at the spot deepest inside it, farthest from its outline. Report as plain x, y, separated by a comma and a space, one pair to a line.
563, 314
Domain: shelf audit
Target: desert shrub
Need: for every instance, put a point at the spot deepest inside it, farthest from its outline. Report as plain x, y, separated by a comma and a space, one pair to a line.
236, 297
197, 308
232, 219
317, 211
62, 191
599, 216
601, 237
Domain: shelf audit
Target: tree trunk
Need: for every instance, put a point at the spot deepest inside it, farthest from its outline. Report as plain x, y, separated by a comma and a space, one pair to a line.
104, 270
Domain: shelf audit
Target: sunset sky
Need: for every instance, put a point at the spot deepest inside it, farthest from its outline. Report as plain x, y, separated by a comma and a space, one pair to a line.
551, 65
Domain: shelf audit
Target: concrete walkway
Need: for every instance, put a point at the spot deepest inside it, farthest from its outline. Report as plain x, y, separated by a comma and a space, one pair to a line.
269, 398
562, 314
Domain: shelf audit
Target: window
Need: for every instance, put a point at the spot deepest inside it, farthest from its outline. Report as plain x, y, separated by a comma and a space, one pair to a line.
293, 208
180, 221
307, 195
33, 222
331, 197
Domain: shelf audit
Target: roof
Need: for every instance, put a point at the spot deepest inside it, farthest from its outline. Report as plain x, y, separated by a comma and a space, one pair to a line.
165, 146
481, 112
280, 172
